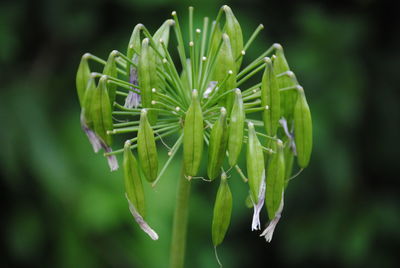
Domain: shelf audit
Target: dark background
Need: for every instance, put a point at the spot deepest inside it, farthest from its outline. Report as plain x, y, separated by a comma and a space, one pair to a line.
61, 207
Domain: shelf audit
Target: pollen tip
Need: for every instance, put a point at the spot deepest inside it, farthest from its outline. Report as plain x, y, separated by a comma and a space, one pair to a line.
230, 72
266, 107
86, 55
267, 60
177, 108
290, 73
204, 58
279, 142
173, 13
191, 43
223, 176
161, 41
114, 53
164, 60
153, 90
153, 102
277, 46
198, 30
223, 110
169, 153
261, 26
243, 52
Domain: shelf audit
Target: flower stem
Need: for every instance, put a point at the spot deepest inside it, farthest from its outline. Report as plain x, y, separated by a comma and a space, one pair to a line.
179, 228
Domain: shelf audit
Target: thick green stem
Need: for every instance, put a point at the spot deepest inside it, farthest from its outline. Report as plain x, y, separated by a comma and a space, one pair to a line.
179, 228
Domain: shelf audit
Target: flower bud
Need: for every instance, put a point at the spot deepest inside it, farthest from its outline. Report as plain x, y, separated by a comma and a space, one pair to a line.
234, 31
270, 97
222, 211
147, 149
236, 128
110, 69
302, 130
275, 181
82, 78
147, 74
193, 140
133, 182
217, 146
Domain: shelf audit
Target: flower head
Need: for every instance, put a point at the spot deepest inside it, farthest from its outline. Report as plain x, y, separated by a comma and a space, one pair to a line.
206, 99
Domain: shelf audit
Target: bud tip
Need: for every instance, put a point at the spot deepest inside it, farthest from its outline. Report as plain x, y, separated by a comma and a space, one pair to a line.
277, 46
114, 53
267, 60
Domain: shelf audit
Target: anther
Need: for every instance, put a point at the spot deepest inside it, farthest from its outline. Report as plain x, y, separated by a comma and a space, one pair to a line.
191, 43
204, 58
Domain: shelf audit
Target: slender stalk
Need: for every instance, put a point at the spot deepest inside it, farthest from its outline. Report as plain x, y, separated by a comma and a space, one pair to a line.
179, 228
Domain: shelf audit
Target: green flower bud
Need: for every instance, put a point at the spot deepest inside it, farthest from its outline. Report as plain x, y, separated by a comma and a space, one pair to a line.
147, 149
193, 140
222, 211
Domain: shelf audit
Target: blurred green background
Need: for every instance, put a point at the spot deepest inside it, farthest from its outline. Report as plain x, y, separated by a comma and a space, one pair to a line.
61, 207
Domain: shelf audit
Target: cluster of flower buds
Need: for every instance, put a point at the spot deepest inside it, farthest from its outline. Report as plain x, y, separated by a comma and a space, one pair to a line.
211, 101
